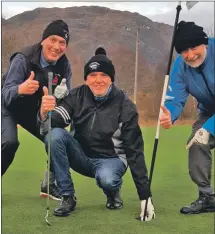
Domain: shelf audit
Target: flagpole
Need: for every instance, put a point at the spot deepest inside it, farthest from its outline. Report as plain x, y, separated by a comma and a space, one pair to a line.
166, 81
136, 67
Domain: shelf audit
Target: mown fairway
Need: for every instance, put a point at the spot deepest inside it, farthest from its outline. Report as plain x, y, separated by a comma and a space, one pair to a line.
23, 210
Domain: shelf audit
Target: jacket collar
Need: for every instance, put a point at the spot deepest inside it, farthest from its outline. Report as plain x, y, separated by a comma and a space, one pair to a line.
114, 92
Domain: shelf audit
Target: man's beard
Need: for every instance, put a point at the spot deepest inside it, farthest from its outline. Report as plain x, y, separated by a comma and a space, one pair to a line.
198, 61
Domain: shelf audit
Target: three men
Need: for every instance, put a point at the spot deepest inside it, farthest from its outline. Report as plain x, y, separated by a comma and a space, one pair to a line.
106, 137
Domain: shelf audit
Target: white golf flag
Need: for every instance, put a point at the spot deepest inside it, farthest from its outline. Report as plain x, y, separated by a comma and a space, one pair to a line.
190, 4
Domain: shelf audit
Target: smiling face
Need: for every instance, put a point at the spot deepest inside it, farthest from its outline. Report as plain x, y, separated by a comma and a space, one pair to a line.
54, 47
195, 56
98, 83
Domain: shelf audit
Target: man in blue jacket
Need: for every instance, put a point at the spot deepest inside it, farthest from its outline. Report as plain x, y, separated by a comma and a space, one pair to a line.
22, 89
193, 73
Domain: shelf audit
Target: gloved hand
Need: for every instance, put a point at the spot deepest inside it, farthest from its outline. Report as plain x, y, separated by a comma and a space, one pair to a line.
61, 90
200, 137
150, 212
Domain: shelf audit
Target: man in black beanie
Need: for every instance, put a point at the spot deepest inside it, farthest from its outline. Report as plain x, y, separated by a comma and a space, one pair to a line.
189, 36
23, 89
193, 73
106, 138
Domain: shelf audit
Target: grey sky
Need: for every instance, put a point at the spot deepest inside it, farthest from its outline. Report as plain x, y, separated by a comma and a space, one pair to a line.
202, 13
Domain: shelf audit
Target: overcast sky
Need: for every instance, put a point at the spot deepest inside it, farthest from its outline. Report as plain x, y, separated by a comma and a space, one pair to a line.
202, 13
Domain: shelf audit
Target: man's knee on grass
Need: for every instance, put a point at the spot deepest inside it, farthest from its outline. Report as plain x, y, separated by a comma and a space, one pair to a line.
108, 181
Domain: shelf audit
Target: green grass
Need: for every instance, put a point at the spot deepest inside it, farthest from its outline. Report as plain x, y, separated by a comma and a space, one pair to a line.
23, 211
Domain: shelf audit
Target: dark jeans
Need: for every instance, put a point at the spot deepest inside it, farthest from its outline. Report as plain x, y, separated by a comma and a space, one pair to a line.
66, 152
9, 137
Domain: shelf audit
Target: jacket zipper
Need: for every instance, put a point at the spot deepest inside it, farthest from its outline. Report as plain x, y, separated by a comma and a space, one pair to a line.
206, 83
93, 121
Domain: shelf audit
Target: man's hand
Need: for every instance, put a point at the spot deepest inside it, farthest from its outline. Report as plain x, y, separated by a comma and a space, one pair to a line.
48, 104
165, 118
30, 86
61, 90
150, 212
200, 137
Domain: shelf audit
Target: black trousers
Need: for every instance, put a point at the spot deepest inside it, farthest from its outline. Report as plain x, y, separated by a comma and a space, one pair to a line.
9, 136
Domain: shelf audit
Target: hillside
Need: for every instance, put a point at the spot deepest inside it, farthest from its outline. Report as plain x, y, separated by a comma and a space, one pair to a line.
91, 27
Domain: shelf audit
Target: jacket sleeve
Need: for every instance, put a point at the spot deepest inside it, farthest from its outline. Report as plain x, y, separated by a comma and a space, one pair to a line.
16, 75
209, 125
177, 94
68, 76
61, 116
133, 145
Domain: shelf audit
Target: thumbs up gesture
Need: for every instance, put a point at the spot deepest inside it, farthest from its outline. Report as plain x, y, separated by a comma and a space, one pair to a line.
61, 90
48, 103
30, 86
165, 118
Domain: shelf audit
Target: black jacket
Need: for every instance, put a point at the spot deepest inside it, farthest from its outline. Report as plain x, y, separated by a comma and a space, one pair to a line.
21, 64
107, 129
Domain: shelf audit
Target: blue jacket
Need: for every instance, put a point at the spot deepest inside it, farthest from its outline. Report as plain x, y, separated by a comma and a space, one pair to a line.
199, 82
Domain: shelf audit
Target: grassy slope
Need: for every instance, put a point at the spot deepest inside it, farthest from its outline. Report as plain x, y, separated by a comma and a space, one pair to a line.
23, 211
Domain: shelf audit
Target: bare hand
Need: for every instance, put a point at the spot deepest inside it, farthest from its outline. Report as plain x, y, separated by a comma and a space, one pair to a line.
48, 103
165, 118
30, 86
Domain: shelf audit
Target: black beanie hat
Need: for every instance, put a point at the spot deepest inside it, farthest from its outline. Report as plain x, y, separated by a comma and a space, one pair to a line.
189, 35
59, 28
100, 63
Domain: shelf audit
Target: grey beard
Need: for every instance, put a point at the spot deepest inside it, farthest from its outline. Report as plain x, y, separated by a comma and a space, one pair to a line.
194, 65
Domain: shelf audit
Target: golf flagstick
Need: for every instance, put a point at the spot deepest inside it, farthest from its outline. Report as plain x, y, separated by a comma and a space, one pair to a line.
50, 78
166, 82
189, 5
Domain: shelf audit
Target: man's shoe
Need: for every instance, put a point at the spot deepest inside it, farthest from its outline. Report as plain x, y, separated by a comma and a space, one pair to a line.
53, 192
67, 204
205, 203
114, 202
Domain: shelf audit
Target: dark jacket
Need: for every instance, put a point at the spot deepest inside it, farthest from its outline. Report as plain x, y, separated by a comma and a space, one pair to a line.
21, 64
107, 129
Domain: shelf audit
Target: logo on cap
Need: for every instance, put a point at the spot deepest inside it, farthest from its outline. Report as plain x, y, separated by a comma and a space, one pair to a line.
94, 65
66, 34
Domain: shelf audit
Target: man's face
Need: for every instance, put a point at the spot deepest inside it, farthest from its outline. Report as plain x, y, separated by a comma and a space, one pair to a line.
99, 83
53, 48
195, 56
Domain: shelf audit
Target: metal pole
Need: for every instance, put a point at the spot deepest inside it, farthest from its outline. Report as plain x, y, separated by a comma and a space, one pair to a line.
136, 67
50, 78
166, 81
